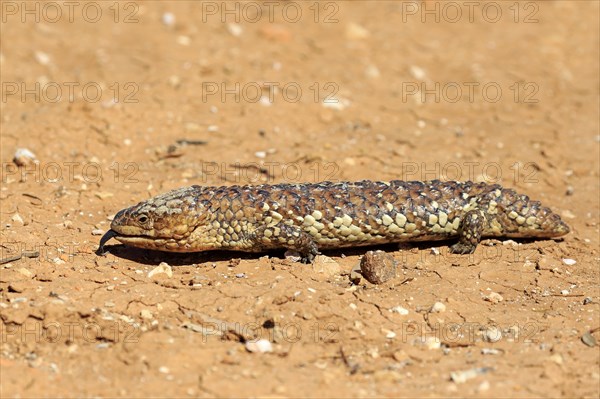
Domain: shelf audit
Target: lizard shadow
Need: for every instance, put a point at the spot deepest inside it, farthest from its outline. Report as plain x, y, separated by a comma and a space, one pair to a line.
153, 257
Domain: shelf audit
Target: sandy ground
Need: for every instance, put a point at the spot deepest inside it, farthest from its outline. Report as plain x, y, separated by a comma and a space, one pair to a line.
101, 93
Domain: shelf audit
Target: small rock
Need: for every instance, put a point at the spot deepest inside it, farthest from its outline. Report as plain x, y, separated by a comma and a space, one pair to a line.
389, 334
97, 232
460, 377
292, 256
587, 300
103, 194
568, 214
326, 265
164, 370
355, 31
145, 314
184, 40
162, 268
569, 262
260, 346
417, 72
564, 292
260, 154
484, 386
433, 343
400, 310
24, 157
492, 334
438, 307
401, 356
18, 219
557, 358
490, 351
42, 57
168, 19
493, 297
378, 267
588, 339
235, 29
570, 190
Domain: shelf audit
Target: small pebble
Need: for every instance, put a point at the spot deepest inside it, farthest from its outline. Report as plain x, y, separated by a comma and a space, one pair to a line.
570, 190
260, 154
355, 31
42, 57
235, 29
24, 157
460, 377
438, 307
164, 370
564, 292
168, 19
417, 72
490, 351
492, 334
378, 267
400, 310
240, 275
569, 262
18, 219
433, 343
260, 346
588, 339
97, 232
162, 268
587, 300
145, 314
494, 297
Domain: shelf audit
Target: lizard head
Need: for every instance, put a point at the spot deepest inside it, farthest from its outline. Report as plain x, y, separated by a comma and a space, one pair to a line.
165, 222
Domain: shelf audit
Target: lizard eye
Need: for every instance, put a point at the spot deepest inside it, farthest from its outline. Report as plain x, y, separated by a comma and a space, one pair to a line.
142, 218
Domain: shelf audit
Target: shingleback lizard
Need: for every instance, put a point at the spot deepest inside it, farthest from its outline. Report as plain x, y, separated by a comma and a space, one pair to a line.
313, 216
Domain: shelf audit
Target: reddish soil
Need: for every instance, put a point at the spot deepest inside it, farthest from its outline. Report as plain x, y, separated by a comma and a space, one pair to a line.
379, 91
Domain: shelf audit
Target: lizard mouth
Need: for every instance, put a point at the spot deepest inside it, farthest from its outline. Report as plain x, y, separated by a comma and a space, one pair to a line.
133, 240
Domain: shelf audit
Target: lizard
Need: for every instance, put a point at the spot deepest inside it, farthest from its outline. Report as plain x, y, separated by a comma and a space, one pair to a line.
309, 217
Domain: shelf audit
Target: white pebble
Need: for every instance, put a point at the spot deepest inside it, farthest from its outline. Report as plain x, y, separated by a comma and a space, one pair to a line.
184, 40
24, 157
438, 307
168, 19
492, 334
260, 154
213, 128
163, 267
494, 297
42, 57
260, 346
145, 314
163, 370
18, 219
400, 310
569, 262
417, 72
97, 232
235, 29
564, 292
